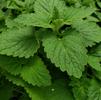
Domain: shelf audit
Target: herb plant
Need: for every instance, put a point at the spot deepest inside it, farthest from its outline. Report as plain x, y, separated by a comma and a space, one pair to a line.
50, 50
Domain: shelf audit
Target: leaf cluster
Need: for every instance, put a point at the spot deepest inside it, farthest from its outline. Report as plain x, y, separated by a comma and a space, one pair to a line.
50, 49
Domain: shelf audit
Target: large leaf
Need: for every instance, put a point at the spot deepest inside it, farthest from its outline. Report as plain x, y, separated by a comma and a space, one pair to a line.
57, 91
90, 31
68, 52
18, 42
35, 73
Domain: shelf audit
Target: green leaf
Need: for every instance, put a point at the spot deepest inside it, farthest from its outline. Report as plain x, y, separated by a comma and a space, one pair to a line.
80, 88
94, 91
3, 4
1, 14
12, 65
33, 20
90, 31
57, 91
32, 71
97, 51
35, 73
18, 42
89, 3
28, 2
15, 4
15, 80
50, 11
92, 19
99, 3
49, 8
72, 14
10, 23
46, 9
25, 5
98, 15
94, 62
97, 74
68, 52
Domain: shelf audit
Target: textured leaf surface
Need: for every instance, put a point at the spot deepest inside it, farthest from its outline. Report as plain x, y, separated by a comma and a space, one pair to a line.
97, 51
15, 80
73, 14
45, 9
18, 42
80, 88
49, 8
35, 73
89, 30
57, 91
26, 5
12, 65
67, 53
94, 62
33, 20
94, 92
57, 9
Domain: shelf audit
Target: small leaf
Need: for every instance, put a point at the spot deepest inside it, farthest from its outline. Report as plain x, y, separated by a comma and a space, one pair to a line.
94, 62
94, 91
15, 80
97, 51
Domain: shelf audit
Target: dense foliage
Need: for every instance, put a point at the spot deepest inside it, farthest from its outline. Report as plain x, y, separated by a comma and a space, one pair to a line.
50, 50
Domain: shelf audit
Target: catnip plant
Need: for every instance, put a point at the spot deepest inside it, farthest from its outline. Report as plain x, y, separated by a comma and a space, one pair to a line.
50, 50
